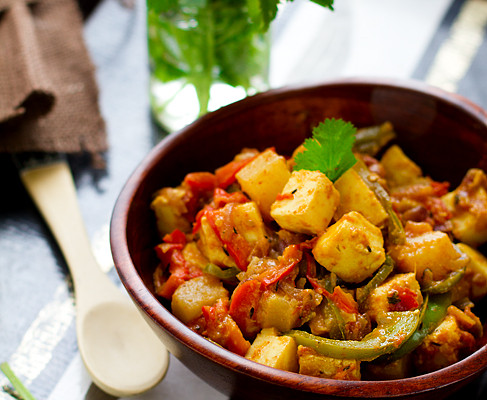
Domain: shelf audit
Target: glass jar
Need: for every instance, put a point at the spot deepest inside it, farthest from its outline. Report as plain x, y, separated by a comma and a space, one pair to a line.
203, 54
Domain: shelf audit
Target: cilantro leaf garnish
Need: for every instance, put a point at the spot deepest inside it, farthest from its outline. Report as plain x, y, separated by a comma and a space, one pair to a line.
329, 150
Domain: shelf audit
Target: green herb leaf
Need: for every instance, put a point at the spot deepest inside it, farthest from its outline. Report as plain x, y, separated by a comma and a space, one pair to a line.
329, 150
15, 381
268, 9
324, 3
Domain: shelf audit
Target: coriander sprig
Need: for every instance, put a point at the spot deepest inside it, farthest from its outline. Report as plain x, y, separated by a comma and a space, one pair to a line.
329, 150
16, 383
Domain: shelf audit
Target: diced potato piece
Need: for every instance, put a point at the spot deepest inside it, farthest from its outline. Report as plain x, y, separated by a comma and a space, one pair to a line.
307, 204
193, 255
315, 364
400, 169
212, 247
476, 271
352, 248
169, 208
275, 351
425, 248
355, 195
278, 311
190, 296
284, 312
443, 347
388, 296
468, 205
248, 222
398, 369
263, 179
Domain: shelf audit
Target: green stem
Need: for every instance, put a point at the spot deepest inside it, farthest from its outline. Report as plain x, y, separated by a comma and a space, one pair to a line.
15, 381
204, 78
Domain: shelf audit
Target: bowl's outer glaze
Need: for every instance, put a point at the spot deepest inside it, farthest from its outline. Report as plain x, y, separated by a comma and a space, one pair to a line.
444, 133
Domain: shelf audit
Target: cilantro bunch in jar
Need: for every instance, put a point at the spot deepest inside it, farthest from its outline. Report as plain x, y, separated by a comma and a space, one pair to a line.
207, 53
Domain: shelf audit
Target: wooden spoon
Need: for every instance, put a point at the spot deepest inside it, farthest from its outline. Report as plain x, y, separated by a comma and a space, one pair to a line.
121, 353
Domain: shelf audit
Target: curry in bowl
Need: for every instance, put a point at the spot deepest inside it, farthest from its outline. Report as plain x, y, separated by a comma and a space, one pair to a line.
341, 260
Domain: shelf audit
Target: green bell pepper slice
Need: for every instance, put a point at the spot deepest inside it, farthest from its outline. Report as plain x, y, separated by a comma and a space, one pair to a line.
224, 274
380, 276
438, 287
434, 312
390, 334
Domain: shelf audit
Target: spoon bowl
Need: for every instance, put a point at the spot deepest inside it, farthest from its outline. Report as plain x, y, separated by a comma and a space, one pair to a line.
121, 353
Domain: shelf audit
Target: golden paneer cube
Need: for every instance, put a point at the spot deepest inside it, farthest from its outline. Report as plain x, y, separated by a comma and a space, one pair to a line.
307, 203
211, 246
190, 296
425, 248
263, 179
352, 248
274, 351
169, 209
468, 205
476, 271
315, 364
400, 169
355, 195
389, 296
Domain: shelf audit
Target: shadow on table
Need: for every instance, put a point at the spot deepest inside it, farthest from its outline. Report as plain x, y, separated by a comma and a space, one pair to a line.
94, 393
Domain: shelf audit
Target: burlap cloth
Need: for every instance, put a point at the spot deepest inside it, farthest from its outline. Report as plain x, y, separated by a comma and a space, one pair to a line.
48, 92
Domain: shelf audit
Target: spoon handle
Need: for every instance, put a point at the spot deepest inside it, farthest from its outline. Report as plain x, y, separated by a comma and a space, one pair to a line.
53, 191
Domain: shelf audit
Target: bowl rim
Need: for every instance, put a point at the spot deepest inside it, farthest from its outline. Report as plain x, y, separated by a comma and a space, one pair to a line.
161, 316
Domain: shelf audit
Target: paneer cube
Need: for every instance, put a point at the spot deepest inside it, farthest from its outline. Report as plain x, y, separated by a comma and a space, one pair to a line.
315, 364
425, 248
273, 350
355, 195
190, 296
352, 248
468, 205
307, 203
169, 209
263, 179
400, 169
399, 293
476, 271
211, 246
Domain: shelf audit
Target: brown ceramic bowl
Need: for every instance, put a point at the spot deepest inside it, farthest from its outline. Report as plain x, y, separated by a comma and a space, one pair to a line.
444, 133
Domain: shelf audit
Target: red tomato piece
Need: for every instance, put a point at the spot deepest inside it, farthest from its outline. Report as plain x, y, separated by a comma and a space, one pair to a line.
222, 329
290, 258
179, 269
221, 197
403, 299
233, 242
226, 175
243, 306
201, 181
